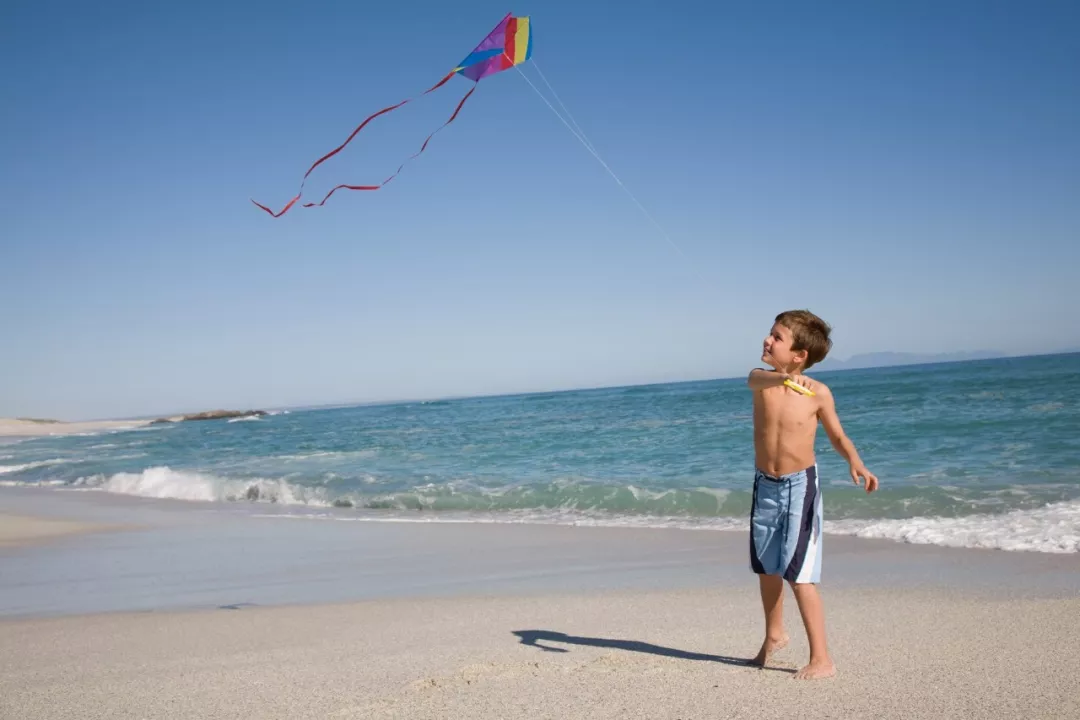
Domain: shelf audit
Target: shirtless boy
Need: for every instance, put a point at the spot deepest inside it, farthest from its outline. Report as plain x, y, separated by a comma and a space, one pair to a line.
785, 519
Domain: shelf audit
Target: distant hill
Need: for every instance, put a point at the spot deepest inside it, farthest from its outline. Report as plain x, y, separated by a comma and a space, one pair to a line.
884, 359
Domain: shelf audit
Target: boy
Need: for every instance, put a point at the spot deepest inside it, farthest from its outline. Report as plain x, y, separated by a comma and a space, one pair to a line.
785, 518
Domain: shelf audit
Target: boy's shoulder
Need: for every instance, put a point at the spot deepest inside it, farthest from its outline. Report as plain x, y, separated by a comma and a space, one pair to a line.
821, 391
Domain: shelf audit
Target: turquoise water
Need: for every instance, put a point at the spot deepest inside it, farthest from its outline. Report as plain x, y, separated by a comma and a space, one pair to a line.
977, 453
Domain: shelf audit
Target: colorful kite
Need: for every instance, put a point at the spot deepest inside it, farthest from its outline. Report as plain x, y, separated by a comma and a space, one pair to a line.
508, 45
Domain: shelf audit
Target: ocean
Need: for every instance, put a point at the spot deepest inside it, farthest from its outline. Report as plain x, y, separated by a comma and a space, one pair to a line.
970, 454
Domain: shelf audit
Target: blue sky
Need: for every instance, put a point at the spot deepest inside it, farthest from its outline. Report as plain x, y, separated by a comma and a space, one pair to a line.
909, 170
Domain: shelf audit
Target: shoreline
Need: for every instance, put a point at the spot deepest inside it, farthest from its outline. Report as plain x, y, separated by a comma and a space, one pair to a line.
1048, 529
33, 427
16, 428
176, 555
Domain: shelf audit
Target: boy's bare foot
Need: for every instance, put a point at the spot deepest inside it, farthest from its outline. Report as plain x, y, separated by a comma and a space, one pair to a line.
767, 649
817, 670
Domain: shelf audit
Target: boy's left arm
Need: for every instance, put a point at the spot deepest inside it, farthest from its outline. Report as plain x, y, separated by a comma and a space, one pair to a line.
840, 441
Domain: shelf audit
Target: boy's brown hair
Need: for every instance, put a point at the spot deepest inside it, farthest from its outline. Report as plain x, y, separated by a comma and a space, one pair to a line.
810, 333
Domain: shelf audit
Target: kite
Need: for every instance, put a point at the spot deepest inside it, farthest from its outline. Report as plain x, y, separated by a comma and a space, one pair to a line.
507, 46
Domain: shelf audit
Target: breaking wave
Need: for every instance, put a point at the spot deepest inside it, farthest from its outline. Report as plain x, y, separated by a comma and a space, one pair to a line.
165, 483
1054, 528
1046, 527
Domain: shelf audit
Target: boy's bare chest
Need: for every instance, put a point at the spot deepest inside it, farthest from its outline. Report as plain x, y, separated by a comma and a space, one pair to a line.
776, 408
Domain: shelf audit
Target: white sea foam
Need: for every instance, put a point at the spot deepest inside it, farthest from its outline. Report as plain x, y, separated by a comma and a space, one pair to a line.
718, 493
25, 483
1051, 529
245, 418
7, 469
646, 494
1054, 528
532, 517
163, 482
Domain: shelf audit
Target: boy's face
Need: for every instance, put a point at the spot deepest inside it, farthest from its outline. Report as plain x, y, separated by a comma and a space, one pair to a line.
777, 352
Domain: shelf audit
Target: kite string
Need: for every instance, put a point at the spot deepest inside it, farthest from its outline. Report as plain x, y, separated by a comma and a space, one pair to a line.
563, 106
600, 160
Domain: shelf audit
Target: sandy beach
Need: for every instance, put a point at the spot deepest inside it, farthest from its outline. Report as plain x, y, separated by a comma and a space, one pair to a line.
19, 428
216, 613
673, 654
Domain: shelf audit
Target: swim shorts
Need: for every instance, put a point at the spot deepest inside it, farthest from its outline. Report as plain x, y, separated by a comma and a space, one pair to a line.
785, 526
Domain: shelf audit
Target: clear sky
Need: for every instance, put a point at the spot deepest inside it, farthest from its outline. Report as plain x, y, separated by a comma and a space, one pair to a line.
908, 169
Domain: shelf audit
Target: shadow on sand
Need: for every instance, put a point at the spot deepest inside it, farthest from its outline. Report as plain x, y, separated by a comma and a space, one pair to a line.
534, 638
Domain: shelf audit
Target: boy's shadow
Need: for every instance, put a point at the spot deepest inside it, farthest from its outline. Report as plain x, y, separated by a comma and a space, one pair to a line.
533, 637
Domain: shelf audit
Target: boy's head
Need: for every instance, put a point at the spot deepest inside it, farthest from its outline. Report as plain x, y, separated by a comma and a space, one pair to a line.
798, 340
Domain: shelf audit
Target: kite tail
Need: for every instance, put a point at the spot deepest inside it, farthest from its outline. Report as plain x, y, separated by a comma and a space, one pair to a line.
341, 147
401, 167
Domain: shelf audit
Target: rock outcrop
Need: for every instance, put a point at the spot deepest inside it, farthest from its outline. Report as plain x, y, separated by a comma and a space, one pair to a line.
211, 415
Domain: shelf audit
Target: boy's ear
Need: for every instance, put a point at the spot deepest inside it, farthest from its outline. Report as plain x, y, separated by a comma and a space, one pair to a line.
801, 356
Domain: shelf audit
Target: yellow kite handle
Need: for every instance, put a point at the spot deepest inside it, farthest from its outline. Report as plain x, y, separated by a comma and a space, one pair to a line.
799, 388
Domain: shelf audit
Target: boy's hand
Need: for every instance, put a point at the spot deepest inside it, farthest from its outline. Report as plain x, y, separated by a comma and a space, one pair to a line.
801, 380
859, 471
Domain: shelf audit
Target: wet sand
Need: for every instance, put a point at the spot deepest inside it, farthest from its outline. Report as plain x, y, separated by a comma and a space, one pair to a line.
17, 530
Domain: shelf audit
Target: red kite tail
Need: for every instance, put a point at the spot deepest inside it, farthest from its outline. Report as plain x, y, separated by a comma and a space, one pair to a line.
341, 147
398, 171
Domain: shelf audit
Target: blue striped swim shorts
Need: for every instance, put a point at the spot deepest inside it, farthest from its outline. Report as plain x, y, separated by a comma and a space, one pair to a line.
785, 526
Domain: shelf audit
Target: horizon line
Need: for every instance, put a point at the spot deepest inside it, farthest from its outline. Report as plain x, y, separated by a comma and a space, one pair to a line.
559, 390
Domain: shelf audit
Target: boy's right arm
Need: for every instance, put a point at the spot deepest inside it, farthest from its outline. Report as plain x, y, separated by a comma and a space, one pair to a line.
760, 379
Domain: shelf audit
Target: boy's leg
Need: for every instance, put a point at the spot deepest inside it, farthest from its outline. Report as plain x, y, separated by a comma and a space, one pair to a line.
772, 600
802, 555
813, 616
